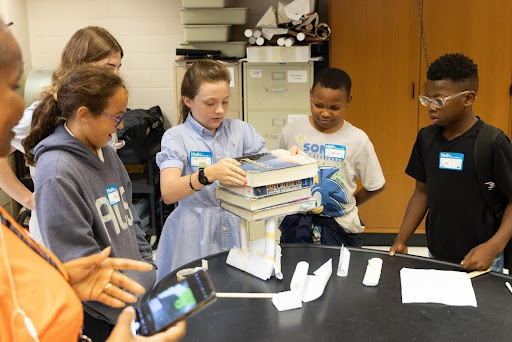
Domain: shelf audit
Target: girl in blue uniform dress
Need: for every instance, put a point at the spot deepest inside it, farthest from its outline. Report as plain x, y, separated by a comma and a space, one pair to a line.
196, 155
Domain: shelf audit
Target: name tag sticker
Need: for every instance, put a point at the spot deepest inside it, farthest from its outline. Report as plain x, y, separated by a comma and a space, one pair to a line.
200, 159
335, 151
451, 161
113, 194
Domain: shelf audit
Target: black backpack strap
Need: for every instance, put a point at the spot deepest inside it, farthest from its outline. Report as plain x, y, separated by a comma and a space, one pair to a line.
483, 153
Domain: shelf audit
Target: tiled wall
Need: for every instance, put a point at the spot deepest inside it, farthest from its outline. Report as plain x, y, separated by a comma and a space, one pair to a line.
148, 30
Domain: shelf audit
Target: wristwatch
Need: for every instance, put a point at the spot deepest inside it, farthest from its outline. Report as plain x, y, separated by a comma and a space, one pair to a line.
202, 177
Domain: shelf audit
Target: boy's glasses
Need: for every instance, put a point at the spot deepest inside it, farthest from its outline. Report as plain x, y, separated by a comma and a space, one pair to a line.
438, 102
118, 121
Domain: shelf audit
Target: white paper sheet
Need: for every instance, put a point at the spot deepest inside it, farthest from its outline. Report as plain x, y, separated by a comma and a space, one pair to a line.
304, 287
268, 19
296, 9
344, 262
287, 300
250, 262
435, 286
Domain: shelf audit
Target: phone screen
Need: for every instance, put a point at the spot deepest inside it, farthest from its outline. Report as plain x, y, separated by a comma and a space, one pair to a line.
176, 302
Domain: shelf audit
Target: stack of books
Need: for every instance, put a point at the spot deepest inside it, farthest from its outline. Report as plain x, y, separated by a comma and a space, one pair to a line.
278, 183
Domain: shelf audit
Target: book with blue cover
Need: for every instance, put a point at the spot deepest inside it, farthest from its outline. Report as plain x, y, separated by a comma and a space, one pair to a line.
277, 166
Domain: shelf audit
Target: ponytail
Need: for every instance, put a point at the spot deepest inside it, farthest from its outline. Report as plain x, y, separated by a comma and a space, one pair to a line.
88, 85
44, 121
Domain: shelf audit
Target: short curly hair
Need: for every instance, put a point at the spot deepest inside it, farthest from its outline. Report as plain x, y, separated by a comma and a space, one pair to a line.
333, 78
456, 67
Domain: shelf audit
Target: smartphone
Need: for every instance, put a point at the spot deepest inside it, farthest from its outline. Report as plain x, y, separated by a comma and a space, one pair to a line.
175, 303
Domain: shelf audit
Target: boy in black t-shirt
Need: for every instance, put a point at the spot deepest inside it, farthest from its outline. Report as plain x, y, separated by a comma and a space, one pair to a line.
460, 227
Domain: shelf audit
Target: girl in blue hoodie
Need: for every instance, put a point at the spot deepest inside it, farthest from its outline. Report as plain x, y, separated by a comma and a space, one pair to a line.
83, 192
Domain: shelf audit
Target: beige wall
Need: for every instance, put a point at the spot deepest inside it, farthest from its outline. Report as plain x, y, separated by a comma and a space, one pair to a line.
148, 31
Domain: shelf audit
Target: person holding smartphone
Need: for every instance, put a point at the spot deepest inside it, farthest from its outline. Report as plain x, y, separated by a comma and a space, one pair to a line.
41, 296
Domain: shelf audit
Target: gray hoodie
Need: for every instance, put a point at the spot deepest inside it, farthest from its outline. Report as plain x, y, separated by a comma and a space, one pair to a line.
84, 205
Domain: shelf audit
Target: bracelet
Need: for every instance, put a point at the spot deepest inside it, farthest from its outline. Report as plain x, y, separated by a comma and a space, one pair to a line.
190, 183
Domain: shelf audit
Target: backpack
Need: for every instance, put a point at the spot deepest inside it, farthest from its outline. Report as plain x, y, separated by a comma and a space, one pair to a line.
483, 156
142, 133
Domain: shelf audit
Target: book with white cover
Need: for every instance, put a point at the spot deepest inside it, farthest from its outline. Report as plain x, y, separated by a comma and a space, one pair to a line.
303, 205
271, 189
277, 166
262, 202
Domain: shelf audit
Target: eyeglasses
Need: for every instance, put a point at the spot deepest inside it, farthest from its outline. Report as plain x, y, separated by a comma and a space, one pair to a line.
121, 119
439, 102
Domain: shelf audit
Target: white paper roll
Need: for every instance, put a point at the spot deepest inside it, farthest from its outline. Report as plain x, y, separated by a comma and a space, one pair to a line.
260, 41
256, 33
248, 33
280, 41
289, 41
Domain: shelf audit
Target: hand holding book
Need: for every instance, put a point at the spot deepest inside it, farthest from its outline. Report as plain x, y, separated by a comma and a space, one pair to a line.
227, 171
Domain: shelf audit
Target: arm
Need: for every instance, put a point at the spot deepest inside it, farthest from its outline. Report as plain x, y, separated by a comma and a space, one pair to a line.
175, 187
363, 195
482, 256
13, 187
416, 210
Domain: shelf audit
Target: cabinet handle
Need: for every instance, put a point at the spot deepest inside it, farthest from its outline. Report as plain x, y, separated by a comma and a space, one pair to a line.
282, 90
413, 90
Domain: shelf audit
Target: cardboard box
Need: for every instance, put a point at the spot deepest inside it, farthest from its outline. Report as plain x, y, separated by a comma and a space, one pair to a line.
213, 16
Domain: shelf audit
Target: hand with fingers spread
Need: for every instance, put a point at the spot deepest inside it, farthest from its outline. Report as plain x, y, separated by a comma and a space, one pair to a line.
227, 171
96, 277
123, 333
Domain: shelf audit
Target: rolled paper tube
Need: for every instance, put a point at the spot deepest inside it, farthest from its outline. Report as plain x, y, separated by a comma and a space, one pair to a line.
260, 41
281, 41
248, 33
252, 40
323, 30
289, 41
256, 33
301, 36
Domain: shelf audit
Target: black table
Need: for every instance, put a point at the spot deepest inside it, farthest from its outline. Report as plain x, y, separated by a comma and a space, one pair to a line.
348, 310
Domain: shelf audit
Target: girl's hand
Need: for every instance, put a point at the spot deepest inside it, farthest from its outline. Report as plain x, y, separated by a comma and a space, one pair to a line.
295, 150
226, 171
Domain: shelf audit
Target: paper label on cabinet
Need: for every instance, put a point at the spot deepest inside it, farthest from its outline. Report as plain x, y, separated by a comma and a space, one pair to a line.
297, 76
255, 73
232, 72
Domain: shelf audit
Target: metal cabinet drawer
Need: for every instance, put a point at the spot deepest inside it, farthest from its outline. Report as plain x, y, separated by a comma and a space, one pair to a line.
277, 86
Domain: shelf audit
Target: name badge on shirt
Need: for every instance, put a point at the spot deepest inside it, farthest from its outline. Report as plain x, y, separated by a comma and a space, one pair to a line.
197, 158
451, 161
335, 151
113, 194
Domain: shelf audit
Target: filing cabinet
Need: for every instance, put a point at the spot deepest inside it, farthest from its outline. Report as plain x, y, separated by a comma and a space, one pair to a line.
235, 100
273, 92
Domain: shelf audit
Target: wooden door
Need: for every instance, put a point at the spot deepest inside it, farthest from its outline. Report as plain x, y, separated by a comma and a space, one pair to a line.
482, 30
377, 43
